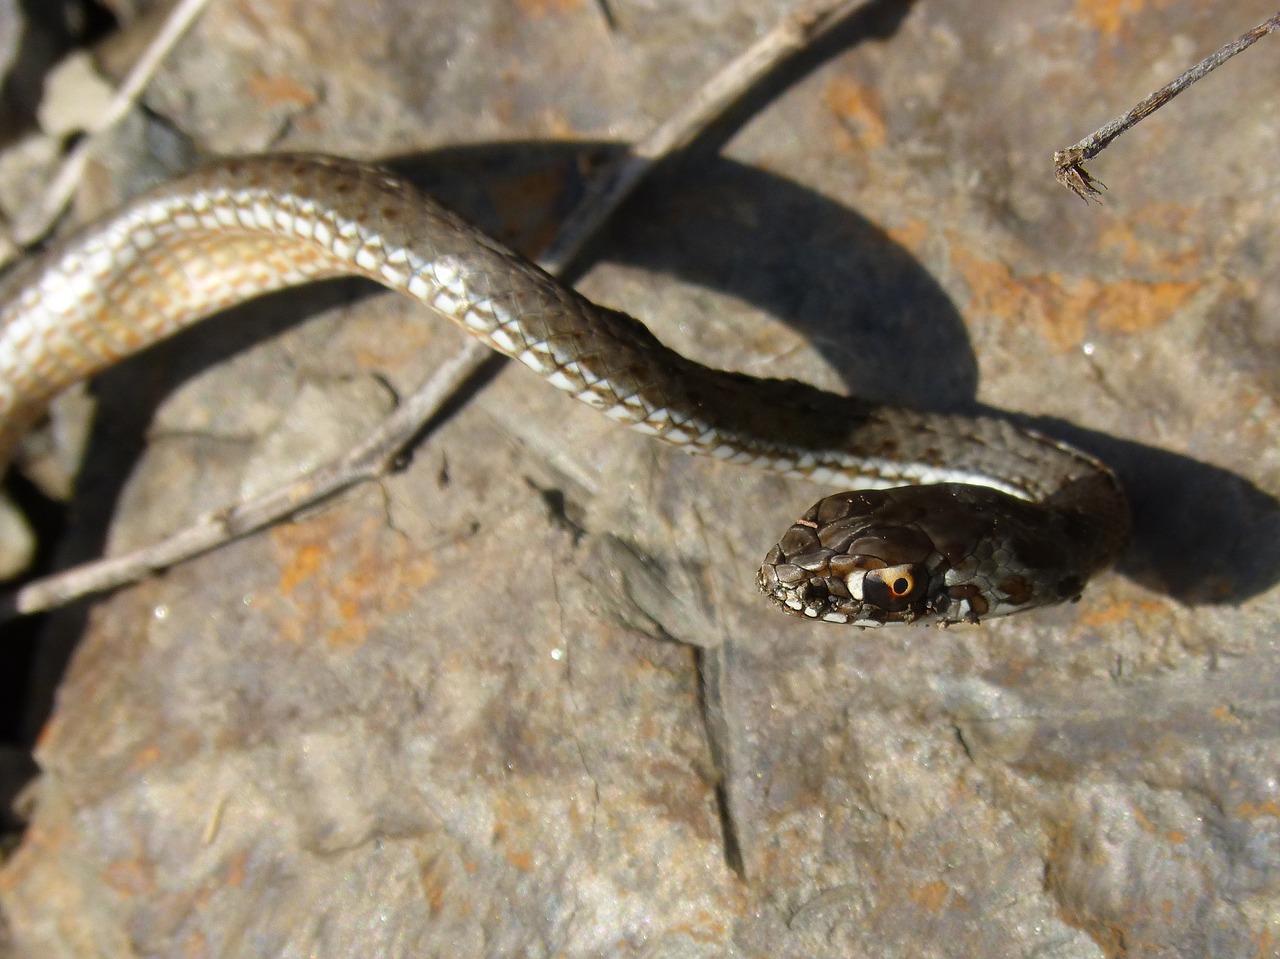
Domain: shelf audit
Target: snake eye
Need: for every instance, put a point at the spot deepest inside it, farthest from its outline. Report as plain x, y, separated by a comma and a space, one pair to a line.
894, 587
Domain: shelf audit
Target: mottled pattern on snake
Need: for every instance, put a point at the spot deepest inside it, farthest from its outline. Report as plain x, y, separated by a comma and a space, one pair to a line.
243, 227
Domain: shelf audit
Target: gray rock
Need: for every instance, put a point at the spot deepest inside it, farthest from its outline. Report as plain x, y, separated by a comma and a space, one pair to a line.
523, 699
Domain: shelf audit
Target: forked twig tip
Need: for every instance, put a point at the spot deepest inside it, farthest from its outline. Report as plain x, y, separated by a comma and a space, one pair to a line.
1069, 169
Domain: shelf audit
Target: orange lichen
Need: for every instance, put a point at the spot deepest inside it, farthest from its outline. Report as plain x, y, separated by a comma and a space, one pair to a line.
1255, 810
146, 757
349, 580
912, 234
435, 897
1111, 18
1123, 611
708, 928
1035, 301
1062, 310
1225, 714
520, 860
236, 870
1127, 306
1266, 944
859, 110
133, 877
1144, 821
278, 91
931, 896
303, 564
1131, 239
1108, 16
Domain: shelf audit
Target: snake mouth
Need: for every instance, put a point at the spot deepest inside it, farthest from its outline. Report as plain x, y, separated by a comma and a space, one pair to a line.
811, 600
815, 600
821, 599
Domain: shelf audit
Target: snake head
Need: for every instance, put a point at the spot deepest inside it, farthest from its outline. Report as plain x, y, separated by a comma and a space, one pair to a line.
943, 554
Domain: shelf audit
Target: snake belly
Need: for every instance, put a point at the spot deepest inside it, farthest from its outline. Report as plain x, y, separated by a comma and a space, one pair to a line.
955, 518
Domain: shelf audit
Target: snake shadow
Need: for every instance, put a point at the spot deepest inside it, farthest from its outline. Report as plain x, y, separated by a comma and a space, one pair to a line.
1202, 534
877, 317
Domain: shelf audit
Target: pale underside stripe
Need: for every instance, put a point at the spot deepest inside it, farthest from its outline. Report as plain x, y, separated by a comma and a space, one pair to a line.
165, 252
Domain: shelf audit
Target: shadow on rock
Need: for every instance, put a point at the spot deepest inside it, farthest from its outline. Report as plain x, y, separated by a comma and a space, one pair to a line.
1201, 534
861, 299
878, 318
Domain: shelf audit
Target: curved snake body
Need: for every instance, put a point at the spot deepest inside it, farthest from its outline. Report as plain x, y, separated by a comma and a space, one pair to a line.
1020, 521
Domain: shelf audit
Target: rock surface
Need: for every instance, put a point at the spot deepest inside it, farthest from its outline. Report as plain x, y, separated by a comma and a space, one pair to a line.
522, 699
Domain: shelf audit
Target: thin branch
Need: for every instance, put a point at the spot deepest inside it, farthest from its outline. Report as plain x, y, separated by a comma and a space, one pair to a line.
71, 171
1069, 163
375, 456
789, 36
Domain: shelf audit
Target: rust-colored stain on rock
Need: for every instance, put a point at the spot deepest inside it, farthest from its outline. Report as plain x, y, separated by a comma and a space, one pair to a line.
522, 860
1140, 239
196, 945
133, 877
147, 757
1123, 611
37, 845
1174, 836
1128, 306
1256, 810
931, 896
1066, 311
305, 563
278, 91
911, 235
349, 580
434, 879
1111, 17
860, 113
236, 869
1225, 714
708, 928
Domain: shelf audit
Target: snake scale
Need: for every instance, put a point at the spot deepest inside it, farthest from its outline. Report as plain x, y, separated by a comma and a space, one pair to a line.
954, 518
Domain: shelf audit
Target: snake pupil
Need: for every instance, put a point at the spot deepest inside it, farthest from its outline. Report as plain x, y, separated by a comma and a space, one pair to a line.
901, 585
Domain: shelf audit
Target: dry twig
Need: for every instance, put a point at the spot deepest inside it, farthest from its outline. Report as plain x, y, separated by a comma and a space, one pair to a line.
379, 452
1069, 163
71, 170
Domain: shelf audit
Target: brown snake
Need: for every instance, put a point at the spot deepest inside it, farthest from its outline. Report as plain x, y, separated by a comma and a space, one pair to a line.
957, 518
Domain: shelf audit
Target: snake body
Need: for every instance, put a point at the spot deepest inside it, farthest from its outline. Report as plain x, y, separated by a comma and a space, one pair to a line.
1019, 520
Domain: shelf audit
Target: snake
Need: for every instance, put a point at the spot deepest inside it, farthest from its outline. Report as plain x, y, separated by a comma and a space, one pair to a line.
950, 518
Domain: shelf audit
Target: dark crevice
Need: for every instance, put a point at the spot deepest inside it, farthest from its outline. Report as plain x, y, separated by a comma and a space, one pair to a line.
23, 685
713, 721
